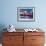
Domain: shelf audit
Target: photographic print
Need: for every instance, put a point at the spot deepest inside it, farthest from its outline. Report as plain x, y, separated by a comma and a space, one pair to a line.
25, 14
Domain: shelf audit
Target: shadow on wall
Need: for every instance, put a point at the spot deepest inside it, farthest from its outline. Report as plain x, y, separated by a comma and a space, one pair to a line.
2, 26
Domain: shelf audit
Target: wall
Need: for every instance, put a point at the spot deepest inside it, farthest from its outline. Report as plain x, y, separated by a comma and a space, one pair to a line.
8, 13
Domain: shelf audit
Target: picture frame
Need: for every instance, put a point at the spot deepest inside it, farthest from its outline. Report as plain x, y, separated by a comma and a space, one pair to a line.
26, 14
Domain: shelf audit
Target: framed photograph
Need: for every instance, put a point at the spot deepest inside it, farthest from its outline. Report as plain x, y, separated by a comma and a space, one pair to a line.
26, 14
